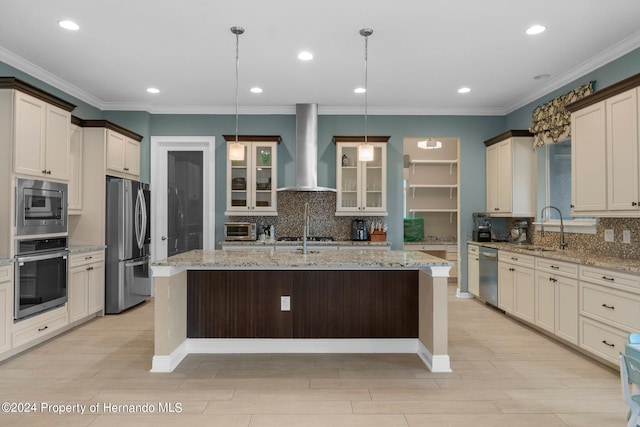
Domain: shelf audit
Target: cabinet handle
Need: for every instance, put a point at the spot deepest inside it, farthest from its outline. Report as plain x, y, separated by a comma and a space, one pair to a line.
551, 279
611, 279
89, 268
555, 267
572, 206
514, 258
610, 307
496, 209
606, 343
48, 172
634, 203
126, 169
512, 269
88, 257
42, 329
44, 171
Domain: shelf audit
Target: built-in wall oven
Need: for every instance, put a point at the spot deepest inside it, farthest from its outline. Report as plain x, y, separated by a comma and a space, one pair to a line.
41, 207
40, 275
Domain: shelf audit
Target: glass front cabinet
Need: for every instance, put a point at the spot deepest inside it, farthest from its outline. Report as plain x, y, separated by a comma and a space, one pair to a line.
252, 182
362, 186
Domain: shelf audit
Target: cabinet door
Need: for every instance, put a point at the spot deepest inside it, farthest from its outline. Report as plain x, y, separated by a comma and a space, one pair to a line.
116, 148
58, 122
75, 170
263, 177
29, 136
567, 309
505, 176
545, 306
238, 175
622, 151
374, 181
95, 287
473, 274
77, 293
6, 307
347, 178
524, 294
492, 165
588, 159
506, 284
132, 157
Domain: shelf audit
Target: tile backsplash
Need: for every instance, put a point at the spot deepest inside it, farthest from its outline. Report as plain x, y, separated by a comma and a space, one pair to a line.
323, 221
594, 243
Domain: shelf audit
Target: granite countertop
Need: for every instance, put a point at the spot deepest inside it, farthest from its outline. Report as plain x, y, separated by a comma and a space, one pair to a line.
569, 255
78, 249
293, 259
253, 243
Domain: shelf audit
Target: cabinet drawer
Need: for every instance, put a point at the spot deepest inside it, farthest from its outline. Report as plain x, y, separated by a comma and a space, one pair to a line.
602, 340
611, 278
5, 273
473, 249
76, 260
621, 309
557, 267
39, 326
517, 259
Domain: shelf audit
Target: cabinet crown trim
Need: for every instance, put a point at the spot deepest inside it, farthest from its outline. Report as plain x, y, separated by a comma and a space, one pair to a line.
360, 138
254, 138
108, 125
506, 135
607, 92
22, 86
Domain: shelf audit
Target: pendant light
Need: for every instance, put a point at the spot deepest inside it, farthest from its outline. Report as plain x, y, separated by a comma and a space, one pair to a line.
429, 144
236, 150
365, 150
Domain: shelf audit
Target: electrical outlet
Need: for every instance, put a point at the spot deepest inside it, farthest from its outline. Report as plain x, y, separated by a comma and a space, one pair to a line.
626, 236
285, 303
608, 235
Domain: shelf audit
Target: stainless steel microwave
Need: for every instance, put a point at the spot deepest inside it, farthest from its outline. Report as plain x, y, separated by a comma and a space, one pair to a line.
41, 207
240, 231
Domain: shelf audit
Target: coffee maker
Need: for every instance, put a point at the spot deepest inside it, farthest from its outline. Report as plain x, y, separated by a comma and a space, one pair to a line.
481, 227
359, 230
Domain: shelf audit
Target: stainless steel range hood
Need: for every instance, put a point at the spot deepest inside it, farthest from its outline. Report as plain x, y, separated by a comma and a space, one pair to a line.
306, 150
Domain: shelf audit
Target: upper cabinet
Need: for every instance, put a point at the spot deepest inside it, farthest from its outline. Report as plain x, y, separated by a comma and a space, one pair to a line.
361, 186
123, 155
41, 138
606, 151
75, 170
511, 174
252, 182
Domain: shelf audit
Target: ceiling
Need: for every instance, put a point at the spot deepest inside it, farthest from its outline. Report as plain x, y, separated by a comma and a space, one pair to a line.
421, 52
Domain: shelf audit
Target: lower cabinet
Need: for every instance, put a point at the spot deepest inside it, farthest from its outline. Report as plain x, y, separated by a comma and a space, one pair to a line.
86, 285
6, 306
323, 304
39, 327
516, 291
473, 271
556, 305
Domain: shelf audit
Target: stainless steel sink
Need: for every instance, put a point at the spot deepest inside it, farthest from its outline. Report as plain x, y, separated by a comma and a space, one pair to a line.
537, 249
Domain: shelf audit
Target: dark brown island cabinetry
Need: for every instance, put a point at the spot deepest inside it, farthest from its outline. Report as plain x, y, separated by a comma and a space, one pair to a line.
324, 304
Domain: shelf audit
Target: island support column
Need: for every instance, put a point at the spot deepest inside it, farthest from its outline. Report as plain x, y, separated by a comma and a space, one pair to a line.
432, 320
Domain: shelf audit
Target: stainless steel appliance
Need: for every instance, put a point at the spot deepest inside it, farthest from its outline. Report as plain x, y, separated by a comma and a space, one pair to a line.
240, 231
41, 207
359, 230
488, 275
128, 238
481, 227
40, 276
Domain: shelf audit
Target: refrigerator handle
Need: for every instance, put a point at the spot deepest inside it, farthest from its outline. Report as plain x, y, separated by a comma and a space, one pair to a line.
145, 217
137, 214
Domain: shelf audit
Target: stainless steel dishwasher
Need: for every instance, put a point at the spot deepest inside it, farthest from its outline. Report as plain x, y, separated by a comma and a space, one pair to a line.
489, 275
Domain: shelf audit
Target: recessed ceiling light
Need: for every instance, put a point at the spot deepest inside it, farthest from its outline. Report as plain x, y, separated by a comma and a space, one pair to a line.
359, 90
464, 90
542, 76
305, 56
69, 25
256, 90
153, 90
536, 29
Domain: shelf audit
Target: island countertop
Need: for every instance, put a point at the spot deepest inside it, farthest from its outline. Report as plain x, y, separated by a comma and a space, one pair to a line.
295, 259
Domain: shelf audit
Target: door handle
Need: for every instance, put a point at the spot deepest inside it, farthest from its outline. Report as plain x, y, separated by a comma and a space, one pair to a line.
163, 238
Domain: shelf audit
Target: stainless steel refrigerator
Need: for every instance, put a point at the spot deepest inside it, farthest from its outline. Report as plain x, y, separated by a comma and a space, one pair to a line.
128, 238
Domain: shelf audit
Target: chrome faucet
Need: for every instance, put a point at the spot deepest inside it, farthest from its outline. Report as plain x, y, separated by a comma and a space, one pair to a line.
563, 245
305, 229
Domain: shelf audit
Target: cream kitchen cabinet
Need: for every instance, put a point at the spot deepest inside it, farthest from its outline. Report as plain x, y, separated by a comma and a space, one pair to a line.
473, 270
41, 133
510, 174
516, 290
34, 330
86, 284
75, 171
252, 182
556, 298
6, 305
123, 155
623, 161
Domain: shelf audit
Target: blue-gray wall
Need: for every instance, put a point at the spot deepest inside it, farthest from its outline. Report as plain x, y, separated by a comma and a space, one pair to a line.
471, 130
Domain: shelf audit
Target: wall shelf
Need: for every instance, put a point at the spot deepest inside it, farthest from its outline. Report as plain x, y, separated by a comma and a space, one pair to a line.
451, 187
451, 163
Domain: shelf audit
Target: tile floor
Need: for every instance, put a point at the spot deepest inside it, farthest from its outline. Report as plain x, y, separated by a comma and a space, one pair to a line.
504, 374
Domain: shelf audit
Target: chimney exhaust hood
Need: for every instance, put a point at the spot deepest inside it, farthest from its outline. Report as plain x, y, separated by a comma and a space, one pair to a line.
306, 150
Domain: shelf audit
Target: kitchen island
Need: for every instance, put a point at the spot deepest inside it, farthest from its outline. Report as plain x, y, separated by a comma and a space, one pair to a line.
257, 301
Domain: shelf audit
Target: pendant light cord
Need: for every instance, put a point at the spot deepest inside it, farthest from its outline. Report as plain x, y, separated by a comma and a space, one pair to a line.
237, 74
366, 88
